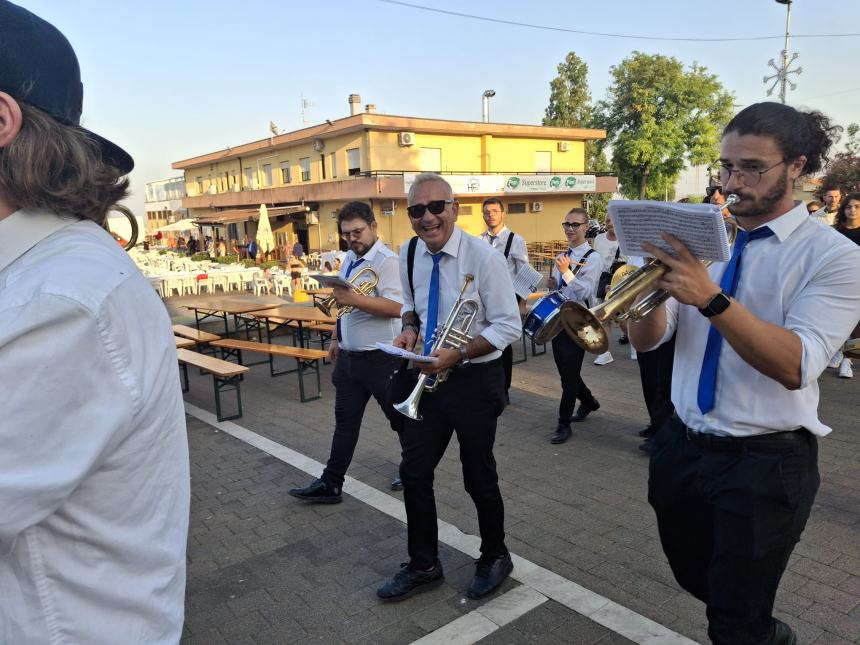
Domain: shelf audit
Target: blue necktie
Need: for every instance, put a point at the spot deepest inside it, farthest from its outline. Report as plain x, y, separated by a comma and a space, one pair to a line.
561, 281
349, 269
432, 304
729, 284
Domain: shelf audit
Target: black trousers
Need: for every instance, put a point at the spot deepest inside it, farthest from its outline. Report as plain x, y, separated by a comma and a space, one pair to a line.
508, 365
356, 377
468, 403
568, 360
655, 371
729, 516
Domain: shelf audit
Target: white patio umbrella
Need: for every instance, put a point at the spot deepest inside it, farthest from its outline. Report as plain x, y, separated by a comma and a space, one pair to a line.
265, 237
181, 225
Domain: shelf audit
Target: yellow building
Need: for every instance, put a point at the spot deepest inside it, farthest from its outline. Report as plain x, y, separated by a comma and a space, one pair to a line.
305, 176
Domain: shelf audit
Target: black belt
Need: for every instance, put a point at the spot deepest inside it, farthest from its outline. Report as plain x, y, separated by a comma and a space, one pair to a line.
770, 442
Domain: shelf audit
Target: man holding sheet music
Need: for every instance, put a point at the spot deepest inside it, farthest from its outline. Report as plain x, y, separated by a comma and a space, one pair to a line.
360, 369
734, 473
576, 274
513, 247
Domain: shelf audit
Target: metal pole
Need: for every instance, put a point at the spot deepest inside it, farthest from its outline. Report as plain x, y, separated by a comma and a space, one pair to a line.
784, 74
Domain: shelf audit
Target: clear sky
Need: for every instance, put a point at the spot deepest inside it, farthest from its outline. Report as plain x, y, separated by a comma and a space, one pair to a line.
171, 80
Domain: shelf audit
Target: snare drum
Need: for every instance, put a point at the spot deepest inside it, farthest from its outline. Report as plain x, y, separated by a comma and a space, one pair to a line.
543, 323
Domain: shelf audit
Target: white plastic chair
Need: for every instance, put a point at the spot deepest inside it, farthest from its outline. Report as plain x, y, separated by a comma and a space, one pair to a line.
283, 283
260, 285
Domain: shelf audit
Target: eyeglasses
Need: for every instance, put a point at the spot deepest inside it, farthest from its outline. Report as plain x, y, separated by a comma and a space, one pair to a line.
354, 233
751, 175
572, 225
416, 211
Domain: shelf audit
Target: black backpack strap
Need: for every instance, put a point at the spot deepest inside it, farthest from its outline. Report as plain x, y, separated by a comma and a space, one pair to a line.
508, 245
581, 263
410, 264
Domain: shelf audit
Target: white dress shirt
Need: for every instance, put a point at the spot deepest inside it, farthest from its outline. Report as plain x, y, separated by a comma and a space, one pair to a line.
498, 317
580, 287
606, 248
824, 216
804, 278
518, 256
360, 331
94, 473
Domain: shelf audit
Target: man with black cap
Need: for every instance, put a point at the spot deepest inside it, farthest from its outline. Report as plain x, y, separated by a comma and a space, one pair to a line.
94, 483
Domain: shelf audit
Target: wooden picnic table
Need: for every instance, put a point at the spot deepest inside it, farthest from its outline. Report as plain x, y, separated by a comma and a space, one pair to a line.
183, 343
321, 293
222, 306
285, 314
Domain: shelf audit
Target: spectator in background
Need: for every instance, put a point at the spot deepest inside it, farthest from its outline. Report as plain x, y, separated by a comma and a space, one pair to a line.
813, 206
847, 223
298, 250
831, 196
714, 195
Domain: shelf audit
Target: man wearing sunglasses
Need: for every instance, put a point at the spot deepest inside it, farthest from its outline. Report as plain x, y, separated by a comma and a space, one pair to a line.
733, 474
361, 370
513, 248
469, 401
576, 274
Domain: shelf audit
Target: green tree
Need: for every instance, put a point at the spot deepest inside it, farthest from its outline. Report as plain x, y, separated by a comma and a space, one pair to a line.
660, 117
844, 169
570, 107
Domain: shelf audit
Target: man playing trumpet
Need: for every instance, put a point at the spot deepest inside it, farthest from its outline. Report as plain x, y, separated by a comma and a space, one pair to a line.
471, 398
360, 369
734, 473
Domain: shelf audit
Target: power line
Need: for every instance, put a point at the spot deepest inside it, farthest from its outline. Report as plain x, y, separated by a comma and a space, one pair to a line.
697, 39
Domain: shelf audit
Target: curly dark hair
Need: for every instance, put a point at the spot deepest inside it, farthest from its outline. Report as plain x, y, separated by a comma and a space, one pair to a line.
810, 134
353, 210
840, 214
58, 168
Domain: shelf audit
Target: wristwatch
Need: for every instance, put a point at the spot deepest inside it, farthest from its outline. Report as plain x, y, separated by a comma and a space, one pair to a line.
464, 355
717, 305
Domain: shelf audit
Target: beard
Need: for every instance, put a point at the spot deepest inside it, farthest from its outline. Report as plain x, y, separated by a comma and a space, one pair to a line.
765, 204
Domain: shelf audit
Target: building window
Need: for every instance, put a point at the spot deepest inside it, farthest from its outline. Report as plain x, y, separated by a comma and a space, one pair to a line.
516, 208
333, 165
249, 178
323, 173
200, 185
430, 159
543, 161
267, 174
353, 162
305, 164
286, 178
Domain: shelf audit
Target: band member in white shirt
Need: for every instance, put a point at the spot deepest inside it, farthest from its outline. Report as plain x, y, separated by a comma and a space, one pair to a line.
361, 370
513, 247
472, 397
733, 475
576, 274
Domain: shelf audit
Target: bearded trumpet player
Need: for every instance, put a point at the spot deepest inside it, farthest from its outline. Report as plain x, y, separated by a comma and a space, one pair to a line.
469, 401
734, 472
360, 369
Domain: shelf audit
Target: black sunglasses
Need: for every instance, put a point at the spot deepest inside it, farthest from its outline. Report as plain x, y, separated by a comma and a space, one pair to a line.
416, 211
573, 225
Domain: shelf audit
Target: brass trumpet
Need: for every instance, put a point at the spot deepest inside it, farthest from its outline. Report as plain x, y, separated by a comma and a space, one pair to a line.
451, 334
585, 326
365, 288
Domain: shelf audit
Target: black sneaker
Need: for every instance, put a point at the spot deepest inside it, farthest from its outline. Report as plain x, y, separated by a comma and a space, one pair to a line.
585, 409
562, 433
318, 491
623, 340
489, 574
396, 484
408, 581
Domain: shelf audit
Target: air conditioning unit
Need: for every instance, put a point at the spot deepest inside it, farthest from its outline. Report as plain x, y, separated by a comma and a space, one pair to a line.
388, 208
319, 144
537, 207
563, 146
312, 219
406, 138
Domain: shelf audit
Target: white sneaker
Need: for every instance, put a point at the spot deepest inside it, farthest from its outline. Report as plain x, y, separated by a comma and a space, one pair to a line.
836, 361
632, 353
604, 359
845, 369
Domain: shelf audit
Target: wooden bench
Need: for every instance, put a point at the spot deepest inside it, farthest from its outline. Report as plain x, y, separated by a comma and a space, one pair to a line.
183, 343
226, 376
200, 337
306, 359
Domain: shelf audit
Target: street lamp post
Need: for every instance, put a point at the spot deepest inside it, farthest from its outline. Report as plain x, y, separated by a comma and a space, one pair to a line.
488, 94
782, 72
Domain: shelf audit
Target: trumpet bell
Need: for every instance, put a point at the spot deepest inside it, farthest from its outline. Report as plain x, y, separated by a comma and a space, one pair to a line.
584, 327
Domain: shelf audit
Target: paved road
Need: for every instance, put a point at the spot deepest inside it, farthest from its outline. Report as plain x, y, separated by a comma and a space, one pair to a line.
265, 568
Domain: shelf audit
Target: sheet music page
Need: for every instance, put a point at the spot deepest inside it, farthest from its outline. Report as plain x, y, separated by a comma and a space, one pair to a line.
330, 280
526, 281
700, 226
402, 353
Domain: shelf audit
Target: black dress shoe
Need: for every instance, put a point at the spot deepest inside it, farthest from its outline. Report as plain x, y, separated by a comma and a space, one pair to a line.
562, 433
623, 340
646, 446
489, 574
318, 491
783, 634
408, 581
585, 409
647, 431
396, 484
